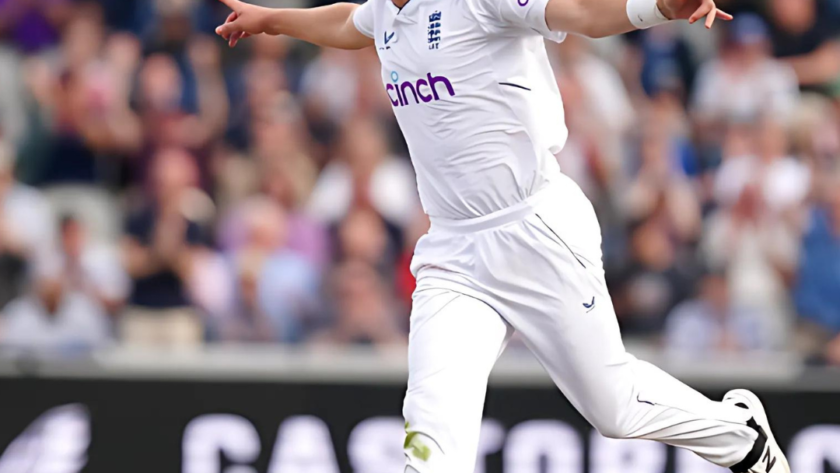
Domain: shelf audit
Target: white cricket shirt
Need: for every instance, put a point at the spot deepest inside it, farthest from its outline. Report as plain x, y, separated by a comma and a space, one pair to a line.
475, 97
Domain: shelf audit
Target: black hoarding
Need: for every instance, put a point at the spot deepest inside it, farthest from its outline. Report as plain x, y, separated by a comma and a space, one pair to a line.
122, 426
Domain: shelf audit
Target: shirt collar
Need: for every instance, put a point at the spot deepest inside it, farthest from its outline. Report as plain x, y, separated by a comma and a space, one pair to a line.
406, 14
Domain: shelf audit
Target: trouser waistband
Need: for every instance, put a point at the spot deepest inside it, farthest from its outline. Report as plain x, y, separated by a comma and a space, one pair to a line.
496, 219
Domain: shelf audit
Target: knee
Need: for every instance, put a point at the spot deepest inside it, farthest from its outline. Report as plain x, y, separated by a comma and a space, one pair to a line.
612, 426
610, 431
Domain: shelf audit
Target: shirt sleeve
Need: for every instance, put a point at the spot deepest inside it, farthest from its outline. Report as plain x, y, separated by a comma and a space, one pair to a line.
363, 19
500, 15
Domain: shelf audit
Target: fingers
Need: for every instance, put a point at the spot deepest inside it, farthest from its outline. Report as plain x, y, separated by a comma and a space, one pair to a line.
705, 8
223, 30
715, 14
239, 36
722, 15
228, 29
235, 37
709, 10
231, 30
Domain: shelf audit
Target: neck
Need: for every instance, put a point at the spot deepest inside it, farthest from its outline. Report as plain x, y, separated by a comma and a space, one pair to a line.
400, 3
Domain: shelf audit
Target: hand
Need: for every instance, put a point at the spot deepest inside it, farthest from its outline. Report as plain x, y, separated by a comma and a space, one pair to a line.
245, 20
692, 10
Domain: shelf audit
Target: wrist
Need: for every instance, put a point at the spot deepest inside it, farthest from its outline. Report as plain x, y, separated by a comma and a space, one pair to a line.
664, 10
645, 14
272, 23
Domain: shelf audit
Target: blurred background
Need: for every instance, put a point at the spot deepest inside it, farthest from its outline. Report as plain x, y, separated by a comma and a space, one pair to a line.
169, 205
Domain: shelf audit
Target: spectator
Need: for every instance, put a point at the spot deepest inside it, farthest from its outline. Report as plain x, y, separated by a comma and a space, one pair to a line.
287, 174
247, 320
759, 251
661, 183
277, 289
604, 92
286, 181
746, 82
655, 281
89, 102
122, 112
582, 158
267, 79
367, 175
92, 268
815, 134
82, 120
171, 116
806, 34
599, 113
712, 324
365, 236
161, 238
364, 314
782, 182
325, 110
667, 60
27, 229
817, 290
53, 317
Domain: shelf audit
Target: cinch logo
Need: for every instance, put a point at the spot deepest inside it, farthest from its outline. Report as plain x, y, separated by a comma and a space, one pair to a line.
425, 90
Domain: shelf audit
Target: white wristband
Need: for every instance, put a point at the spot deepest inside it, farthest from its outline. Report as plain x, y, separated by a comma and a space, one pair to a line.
644, 14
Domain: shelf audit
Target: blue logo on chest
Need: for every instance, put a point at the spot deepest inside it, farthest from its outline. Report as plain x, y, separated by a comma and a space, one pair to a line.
433, 31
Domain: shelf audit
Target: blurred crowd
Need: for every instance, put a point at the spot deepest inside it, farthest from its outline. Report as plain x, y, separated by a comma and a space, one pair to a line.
160, 189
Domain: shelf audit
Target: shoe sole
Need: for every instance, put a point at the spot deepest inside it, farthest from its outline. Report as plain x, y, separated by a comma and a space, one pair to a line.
755, 406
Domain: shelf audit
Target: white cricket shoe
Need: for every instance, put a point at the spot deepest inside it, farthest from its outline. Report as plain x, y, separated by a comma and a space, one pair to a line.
772, 458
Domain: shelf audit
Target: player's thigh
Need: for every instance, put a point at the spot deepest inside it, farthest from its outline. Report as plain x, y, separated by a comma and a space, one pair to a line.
582, 350
559, 303
453, 344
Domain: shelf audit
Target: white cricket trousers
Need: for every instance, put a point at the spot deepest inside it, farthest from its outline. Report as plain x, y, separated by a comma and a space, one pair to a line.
535, 268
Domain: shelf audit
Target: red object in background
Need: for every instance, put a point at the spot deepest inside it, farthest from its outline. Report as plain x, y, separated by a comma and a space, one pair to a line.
405, 282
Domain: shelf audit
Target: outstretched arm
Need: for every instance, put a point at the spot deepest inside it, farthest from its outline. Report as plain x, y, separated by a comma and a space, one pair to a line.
599, 18
330, 26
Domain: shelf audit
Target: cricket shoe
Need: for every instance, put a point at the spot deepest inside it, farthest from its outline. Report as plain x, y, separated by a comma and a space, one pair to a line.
770, 458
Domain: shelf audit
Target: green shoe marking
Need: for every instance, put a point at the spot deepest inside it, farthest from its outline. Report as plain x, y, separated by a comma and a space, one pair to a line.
415, 446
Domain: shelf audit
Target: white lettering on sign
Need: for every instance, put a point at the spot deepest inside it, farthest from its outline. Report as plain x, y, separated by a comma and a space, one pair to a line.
626, 456
303, 445
56, 442
812, 447
375, 445
548, 446
209, 435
